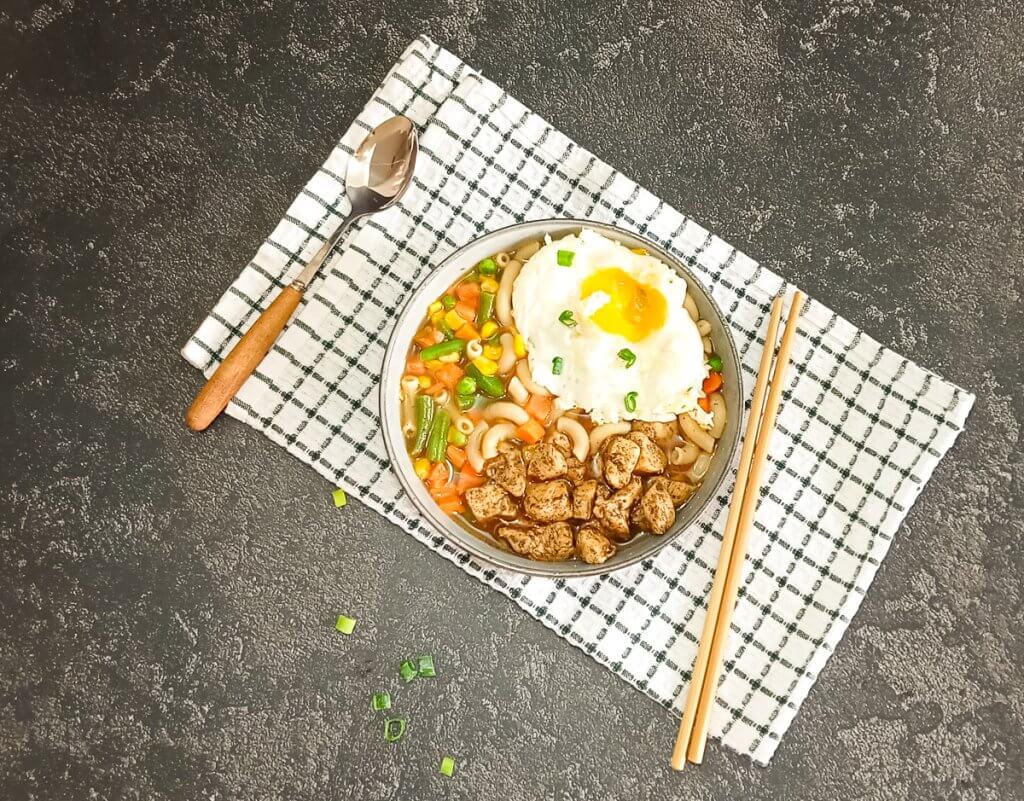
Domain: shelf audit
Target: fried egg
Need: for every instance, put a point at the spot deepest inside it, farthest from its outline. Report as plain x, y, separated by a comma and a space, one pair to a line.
606, 330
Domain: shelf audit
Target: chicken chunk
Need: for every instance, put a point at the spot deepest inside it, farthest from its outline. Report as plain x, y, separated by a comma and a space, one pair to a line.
652, 458
544, 461
562, 442
548, 501
490, 501
645, 428
678, 491
592, 546
613, 512
655, 512
620, 458
550, 543
575, 470
583, 495
508, 472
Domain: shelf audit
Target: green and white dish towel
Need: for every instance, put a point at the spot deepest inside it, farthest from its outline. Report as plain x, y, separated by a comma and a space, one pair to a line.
860, 431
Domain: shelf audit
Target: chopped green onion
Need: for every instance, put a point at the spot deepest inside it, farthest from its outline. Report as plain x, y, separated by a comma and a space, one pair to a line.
630, 401
381, 701
466, 385
465, 402
628, 357
487, 267
448, 766
565, 258
340, 499
394, 728
557, 364
715, 363
426, 665
442, 349
448, 301
345, 624
566, 318
407, 670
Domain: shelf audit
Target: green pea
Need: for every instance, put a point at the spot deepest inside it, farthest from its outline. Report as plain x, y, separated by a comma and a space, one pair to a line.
466, 385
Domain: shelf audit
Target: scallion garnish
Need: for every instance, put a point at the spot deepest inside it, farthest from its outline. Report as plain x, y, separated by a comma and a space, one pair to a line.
630, 401
566, 319
557, 364
426, 665
340, 499
565, 258
628, 357
715, 363
448, 766
407, 670
381, 701
345, 624
394, 728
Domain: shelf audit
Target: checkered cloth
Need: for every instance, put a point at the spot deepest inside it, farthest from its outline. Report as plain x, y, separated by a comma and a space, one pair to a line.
860, 431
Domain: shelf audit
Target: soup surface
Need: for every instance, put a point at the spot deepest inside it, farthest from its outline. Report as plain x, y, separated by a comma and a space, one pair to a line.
590, 423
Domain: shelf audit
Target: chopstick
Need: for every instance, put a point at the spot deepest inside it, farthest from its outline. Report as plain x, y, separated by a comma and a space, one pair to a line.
693, 728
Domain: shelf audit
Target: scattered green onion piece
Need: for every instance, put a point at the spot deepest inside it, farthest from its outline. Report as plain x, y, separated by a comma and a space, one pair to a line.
381, 701
483, 314
345, 624
566, 319
557, 364
448, 301
490, 385
340, 499
394, 728
448, 766
466, 385
440, 349
715, 363
407, 670
565, 258
438, 436
465, 402
630, 401
426, 665
628, 357
487, 267
456, 437
424, 417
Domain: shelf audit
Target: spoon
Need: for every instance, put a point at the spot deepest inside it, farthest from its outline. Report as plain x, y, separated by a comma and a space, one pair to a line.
378, 174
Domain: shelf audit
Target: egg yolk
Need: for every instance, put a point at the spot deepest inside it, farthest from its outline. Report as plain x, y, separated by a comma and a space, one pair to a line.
633, 311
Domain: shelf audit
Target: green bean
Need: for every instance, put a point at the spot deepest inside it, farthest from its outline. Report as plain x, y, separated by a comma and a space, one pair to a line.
490, 385
424, 417
442, 349
486, 309
438, 436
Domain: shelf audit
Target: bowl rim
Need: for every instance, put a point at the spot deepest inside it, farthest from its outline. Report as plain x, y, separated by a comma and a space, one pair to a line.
489, 555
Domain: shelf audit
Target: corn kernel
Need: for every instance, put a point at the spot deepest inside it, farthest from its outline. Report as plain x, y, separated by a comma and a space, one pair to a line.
433, 364
422, 467
520, 345
424, 381
485, 365
435, 307
639, 251
453, 320
437, 317
488, 329
488, 285
492, 352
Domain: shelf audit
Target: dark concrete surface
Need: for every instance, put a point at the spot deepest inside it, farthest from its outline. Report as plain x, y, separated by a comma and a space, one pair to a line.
167, 599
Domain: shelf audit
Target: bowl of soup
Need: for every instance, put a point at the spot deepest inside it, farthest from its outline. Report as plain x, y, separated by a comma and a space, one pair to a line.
561, 398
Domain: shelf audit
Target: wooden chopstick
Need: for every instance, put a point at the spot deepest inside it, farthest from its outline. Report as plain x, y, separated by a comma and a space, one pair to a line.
725, 554
734, 571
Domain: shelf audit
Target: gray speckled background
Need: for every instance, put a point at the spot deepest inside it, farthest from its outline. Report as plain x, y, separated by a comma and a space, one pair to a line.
167, 599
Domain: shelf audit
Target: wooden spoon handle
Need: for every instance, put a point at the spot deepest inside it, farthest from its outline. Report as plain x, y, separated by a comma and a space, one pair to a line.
248, 352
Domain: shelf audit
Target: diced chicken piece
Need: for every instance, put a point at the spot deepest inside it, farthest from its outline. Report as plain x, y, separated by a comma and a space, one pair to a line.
575, 470
583, 496
678, 491
592, 546
507, 445
490, 501
613, 512
548, 501
620, 458
655, 512
544, 461
647, 429
652, 458
508, 472
561, 441
550, 543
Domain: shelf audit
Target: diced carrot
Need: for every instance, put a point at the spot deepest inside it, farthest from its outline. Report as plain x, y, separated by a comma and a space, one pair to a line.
448, 374
530, 432
468, 293
451, 505
434, 389
467, 332
474, 414
539, 407
704, 403
426, 338
456, 456
467, 311
438, 476
415, 366
712, 382
468, 478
